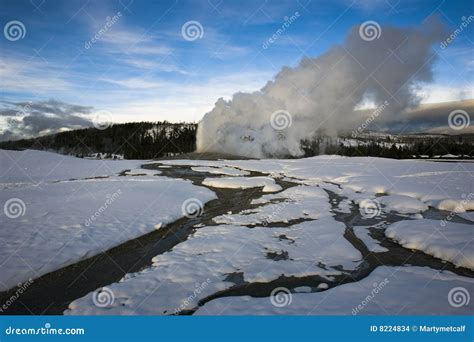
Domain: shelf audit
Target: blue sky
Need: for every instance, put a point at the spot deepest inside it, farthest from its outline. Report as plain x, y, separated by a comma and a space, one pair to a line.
142, 68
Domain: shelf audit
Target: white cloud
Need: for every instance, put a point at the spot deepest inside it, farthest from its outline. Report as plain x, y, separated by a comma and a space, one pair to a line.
438, 93
131, 42
165, 65
150, 50
30, 75
174, 101
136, 83
125, 37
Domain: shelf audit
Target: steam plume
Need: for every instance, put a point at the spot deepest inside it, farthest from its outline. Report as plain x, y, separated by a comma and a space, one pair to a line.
320, 94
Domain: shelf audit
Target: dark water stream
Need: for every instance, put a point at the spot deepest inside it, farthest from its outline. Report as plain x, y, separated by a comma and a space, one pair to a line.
52, 293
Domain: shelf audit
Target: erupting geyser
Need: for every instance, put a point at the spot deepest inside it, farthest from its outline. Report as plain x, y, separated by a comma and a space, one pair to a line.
321, 93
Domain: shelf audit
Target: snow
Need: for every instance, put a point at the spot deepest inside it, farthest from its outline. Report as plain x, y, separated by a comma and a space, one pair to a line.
313, 248
371, 244
430, 182
66, 221
33, 167
76, 208
262, 165
142, 172
402, 204
230, 171
449, 241
267, 183
299, 202
386, 291
457, 206
344, 206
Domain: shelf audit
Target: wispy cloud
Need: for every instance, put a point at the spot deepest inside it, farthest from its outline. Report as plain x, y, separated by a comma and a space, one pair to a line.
136, 83
30, 75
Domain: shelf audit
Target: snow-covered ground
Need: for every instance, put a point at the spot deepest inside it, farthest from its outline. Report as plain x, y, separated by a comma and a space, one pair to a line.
449, 241
299, 202
372, 244
33, 167
386, 291
212, 253
297, 232
267, 183
230, 171
141, 172
441, 185
66, 221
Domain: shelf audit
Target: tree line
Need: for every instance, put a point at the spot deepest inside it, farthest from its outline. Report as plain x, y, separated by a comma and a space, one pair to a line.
149, 140
144, 140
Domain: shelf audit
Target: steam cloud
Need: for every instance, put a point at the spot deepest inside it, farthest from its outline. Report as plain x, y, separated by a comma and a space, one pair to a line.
321, 93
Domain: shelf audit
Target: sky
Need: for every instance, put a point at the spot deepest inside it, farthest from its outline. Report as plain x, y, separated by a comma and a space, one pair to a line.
171, 60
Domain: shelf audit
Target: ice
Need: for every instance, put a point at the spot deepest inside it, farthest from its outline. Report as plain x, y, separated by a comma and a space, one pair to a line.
267, 183
299, 202
263, 254
457, 206
372, 244
230, 171
65, 221
312, 248
142, 172
259, 244
442, 239
433, 183
402, 204
386, 291
445, 186
33, 167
